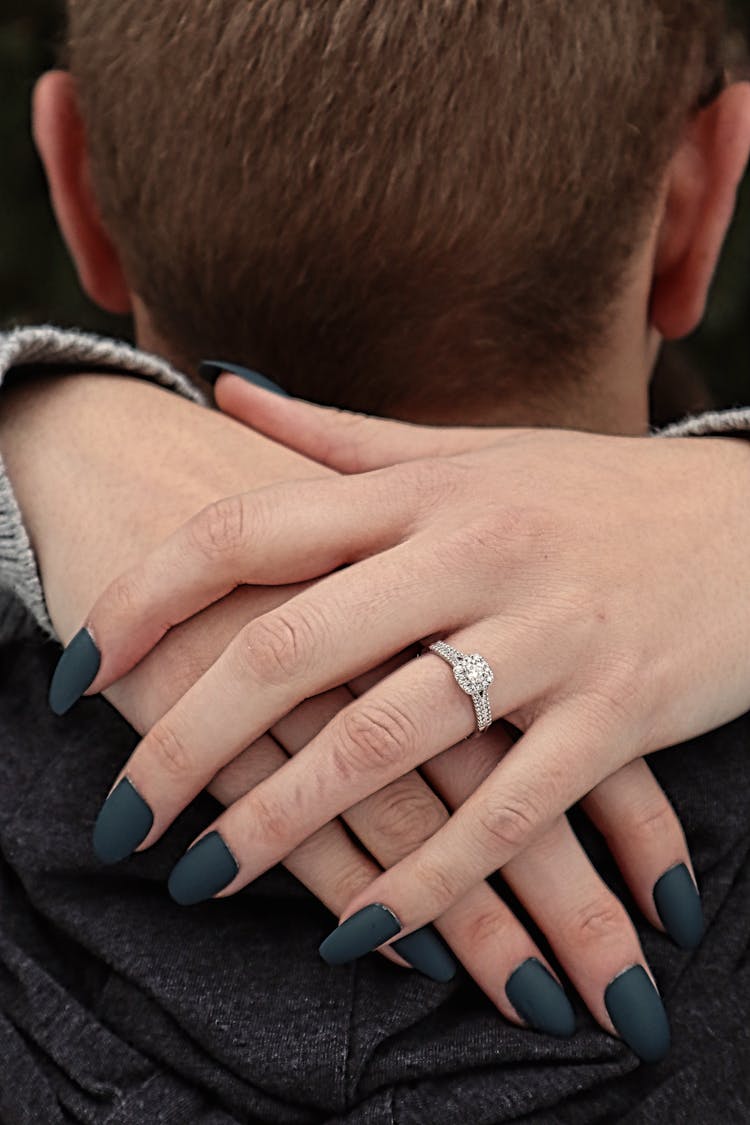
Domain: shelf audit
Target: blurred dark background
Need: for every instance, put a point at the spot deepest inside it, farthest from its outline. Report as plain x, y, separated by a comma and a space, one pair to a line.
37, 282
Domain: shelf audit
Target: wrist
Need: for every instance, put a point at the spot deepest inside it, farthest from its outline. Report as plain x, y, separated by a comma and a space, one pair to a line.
45, 420
106, 467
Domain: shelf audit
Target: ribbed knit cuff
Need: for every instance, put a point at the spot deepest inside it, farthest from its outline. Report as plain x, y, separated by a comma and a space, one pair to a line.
715, 423
23, 610
19, 574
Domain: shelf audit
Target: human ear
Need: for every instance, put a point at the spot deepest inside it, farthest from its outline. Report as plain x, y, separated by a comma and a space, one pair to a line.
702, 184
61, 142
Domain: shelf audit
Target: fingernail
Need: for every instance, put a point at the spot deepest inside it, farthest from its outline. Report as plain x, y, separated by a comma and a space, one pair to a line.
426, 952
539, 999
206, 868
637, 1012
211, 369
76, 670
678, 904
124, 822
360, 934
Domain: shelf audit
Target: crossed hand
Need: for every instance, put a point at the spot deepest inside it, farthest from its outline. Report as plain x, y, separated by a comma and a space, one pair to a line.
548, 554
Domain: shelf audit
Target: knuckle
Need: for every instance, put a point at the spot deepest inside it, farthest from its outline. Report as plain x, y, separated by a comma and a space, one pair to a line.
437, 884
508, 824
272, 822
653, 820
484, 928
430, 479
170, 751
599, 920
405, 815
616, 698
217, 531
124, 594
350, 880
372, 736
277, 647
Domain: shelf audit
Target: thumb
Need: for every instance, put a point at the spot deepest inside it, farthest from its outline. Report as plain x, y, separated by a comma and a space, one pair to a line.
349, 442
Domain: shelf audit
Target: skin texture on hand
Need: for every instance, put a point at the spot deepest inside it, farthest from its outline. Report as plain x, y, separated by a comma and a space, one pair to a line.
103, 468
146, 450
390, 513
145, 460
177, 446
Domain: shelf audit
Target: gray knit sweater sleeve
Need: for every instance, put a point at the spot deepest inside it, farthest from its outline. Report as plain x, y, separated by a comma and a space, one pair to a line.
23, 611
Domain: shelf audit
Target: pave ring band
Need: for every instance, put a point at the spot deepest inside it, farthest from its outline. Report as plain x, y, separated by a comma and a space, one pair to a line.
473, 675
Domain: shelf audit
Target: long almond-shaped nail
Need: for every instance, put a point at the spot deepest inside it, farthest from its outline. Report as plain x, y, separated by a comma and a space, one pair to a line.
359, 934
206, 868
636, 1010
428, 954
211, 369
123, 823
678, 904
539, 999
76, 670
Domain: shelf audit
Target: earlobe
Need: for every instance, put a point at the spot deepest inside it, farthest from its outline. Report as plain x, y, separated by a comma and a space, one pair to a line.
61, 142
704, 177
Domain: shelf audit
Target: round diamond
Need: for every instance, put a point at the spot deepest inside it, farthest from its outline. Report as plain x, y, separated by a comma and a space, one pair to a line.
473, 673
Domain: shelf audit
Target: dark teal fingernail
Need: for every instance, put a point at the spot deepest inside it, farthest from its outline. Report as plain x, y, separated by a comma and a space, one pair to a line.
539, 999
678, 904
360, 934
76, 670
124, 822
426, 952
211, 369
206, 868
637, 1012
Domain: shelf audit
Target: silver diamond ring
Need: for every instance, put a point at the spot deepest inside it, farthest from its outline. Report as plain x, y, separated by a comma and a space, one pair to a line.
473, 675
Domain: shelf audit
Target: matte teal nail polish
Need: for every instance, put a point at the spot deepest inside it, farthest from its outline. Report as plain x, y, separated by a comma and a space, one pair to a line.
636, 1010
426, 952
359, 934
206, 868
124, 822
678, 904
76, 670
211, 369
539, 999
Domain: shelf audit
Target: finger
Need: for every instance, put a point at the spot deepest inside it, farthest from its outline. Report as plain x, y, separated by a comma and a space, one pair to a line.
593, 937
481, 929
642, 830
586, 925
275, 535
327, 863
555, 880
249, 688
351, 443
545, 773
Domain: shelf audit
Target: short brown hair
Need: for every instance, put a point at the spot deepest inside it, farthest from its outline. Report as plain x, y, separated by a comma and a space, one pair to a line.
338, 193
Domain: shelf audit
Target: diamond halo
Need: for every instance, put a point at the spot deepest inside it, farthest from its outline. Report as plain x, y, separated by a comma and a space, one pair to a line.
473, 675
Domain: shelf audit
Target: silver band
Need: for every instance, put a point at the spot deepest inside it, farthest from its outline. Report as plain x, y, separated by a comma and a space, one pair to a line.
473, 675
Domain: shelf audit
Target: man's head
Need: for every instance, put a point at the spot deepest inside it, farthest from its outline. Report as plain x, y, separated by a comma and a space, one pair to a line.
392, 205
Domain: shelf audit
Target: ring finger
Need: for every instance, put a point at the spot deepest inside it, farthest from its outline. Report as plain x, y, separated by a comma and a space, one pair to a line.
481, 929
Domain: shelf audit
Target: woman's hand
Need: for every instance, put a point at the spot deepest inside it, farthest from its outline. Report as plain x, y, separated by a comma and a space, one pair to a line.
111, 496
364, 752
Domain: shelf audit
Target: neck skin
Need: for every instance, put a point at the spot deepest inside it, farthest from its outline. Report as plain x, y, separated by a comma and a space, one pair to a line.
612, 399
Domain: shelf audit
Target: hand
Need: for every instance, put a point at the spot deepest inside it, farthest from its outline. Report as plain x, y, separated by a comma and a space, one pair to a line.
128, 467
143, 593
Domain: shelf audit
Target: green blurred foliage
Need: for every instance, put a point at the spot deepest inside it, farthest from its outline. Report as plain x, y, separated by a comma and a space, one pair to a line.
38, 284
